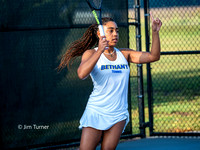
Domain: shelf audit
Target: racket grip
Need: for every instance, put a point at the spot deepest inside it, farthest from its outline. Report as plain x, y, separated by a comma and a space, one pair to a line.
101, 30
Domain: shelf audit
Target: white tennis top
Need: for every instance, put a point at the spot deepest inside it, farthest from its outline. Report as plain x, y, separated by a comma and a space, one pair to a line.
108, 103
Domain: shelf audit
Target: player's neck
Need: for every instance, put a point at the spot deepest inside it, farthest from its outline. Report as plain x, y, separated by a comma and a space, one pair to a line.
109, 50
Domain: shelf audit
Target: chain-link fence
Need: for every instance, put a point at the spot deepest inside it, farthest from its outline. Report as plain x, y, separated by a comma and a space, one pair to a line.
176, 87
176, 77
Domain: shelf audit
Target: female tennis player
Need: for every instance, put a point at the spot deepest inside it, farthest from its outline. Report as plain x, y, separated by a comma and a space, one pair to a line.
106, 114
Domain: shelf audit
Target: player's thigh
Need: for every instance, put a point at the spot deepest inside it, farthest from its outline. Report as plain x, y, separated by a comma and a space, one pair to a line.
111, 137
90, 138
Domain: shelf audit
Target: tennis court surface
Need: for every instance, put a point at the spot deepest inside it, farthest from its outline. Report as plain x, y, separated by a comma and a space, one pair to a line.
157, 143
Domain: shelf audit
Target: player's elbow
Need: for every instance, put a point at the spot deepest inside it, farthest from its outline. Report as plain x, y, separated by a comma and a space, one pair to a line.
155, 58
81, 75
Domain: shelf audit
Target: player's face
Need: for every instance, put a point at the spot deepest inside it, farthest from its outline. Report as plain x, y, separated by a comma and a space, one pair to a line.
112, 33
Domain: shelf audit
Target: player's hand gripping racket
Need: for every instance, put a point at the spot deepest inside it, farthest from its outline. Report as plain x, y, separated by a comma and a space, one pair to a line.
95, 5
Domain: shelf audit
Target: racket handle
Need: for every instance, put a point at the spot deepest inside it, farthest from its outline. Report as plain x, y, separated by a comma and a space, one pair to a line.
101, 30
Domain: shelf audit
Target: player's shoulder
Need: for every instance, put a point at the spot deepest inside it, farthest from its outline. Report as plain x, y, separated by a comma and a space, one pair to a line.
126, 52
88, 52
125, 49
91, 50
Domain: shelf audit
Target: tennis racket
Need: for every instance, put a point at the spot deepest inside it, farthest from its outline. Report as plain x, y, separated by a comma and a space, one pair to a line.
95, 5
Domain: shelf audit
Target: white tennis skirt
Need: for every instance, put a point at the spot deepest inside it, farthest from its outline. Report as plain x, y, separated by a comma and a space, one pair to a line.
92, 118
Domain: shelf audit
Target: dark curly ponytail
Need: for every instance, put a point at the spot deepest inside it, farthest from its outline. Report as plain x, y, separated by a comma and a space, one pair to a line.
78, 47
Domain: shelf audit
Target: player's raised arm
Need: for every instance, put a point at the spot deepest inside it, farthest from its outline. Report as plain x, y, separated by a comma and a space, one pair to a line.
147, 57
155, 48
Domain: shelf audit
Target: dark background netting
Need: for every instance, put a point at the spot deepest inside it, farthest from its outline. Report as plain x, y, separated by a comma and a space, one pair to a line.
37, 14
34, 34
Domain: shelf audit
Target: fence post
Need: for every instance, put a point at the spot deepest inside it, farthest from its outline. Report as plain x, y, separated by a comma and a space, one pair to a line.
149, 79
140, 72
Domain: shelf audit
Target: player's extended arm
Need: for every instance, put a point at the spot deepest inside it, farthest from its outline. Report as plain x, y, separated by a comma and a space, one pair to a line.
146, 57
